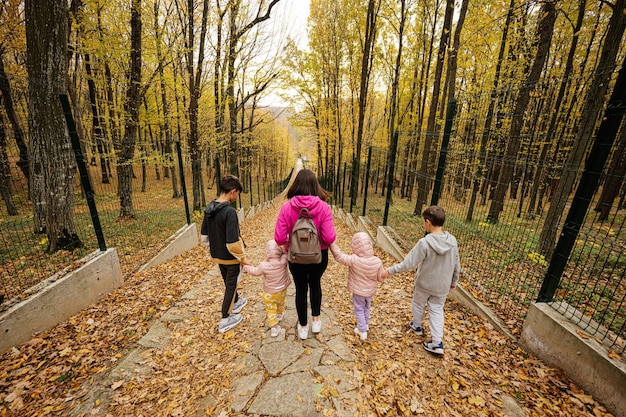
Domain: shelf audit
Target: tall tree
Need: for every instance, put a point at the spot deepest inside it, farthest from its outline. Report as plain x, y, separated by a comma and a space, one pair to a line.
6, 189
615, 176
12, 35
194, 72
594, 100
126, 149
545, 30
482, 153
567, 72
432, 129
9, 108
52, 163
236, 36
369, 42
168, 151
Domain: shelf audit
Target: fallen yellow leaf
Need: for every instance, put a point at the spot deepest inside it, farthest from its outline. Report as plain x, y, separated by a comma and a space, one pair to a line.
582, 334
476, 400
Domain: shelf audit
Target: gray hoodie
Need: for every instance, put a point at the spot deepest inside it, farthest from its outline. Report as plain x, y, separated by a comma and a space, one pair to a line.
436, 257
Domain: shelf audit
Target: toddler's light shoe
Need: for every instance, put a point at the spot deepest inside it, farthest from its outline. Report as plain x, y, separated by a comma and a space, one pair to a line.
275, 330
281, 316
363, 335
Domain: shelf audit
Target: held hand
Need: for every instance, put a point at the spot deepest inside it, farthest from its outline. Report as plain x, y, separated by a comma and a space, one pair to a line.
386, 274
452, 287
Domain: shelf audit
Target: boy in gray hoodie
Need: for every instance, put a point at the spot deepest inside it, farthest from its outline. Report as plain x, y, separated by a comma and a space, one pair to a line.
436, 260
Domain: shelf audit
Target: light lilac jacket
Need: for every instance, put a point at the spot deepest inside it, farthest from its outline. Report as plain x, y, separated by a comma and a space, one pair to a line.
320, 212
274, 269
365, 269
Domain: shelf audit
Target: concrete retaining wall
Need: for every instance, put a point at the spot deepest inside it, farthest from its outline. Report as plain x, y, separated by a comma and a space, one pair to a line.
548, 335
386, 242
554, 339
186, 238
61, 299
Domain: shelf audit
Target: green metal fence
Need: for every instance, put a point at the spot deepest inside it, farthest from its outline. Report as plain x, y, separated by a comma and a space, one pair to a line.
160, 209
504, 266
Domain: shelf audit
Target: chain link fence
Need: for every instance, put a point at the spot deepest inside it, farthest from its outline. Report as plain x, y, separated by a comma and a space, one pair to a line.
160, 209
504, 265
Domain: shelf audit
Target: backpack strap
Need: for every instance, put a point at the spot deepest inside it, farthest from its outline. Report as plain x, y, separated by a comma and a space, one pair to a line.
304, 212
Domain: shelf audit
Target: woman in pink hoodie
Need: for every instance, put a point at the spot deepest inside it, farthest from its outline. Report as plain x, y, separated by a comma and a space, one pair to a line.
365, 271
275, 283
306, 192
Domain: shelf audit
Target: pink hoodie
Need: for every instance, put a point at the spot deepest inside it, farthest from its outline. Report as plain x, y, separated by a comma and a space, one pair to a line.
320, 212
365, 269
274, 269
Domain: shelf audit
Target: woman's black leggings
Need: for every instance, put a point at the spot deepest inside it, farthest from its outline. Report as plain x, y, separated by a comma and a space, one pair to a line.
307, 277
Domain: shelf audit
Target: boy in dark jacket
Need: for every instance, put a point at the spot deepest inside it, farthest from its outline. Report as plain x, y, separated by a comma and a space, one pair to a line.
220, 231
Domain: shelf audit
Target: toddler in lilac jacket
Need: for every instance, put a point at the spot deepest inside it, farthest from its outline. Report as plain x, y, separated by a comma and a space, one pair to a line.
275, 282
365, 271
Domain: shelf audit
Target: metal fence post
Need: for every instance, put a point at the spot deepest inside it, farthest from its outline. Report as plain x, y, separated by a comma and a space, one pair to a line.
392, 165
441, 167
367, 178
82, 169
587, 186
182, 180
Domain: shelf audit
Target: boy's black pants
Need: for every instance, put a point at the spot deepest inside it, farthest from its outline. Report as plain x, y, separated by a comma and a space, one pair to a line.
230, 274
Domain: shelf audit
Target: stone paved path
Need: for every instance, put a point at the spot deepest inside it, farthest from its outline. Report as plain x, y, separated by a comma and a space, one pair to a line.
282, 376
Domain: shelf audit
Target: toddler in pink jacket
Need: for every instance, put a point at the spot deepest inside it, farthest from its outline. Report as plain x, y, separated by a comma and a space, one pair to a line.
365, 270
275, 282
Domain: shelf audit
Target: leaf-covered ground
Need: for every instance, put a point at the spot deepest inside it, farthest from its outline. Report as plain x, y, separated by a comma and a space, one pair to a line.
53, 372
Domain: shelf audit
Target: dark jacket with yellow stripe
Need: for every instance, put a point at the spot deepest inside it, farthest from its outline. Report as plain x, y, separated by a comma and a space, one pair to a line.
221, 225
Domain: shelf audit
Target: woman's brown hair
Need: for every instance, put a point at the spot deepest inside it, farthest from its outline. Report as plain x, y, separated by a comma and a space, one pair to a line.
306, 184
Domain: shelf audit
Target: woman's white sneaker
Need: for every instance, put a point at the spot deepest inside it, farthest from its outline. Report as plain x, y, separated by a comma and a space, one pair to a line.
316, 326
303, 331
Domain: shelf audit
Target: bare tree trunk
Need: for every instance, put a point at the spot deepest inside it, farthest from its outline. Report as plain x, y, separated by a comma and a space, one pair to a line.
614, 177
544, 39
131, 109
195, 78
6, 189
52, 161
432, 130
450, 88
169, 152
594, 99
230, 99
366, 67
533, 208
18, 134
98, 134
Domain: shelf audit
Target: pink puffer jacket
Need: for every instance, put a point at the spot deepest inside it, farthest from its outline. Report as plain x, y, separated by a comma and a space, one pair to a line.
274, 269
365, 268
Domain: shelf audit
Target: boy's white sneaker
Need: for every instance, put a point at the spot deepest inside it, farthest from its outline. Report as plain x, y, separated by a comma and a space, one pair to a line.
239, 305
434, 348
303, 331
363, 335
229, 322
